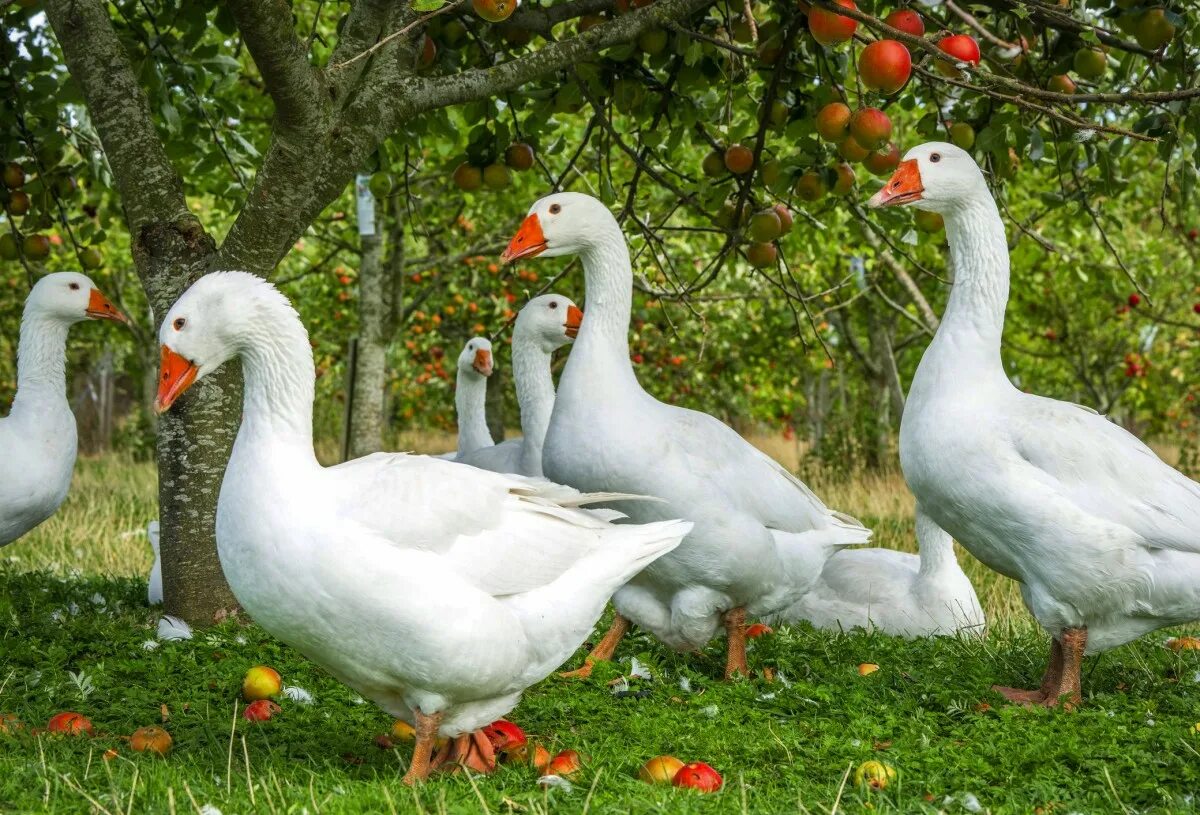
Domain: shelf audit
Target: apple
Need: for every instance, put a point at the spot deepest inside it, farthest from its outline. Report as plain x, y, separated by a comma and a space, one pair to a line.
867, 668
1184, 643
810, 186
885, 66
739, 159
428, 52
150, 739
660, 770
758, 630
884, 161
874, 774
403, 731
260, 711
960, 48
765, 226
962, 135
697, 776
1153, 30
1061, 83
831, 28
519, 156
851, 150
71, 724
907, 21
1135, 300
14, 175
504, 736
762, 255
1090, 63
845, 179
496, 176
8, 247
18, 202
567, 763
785, 217
37, 247
467, 177
261, 682
833, 122
9, 723
494, 11
653, 41
871, 128
929, 221
770, 174
713, 164
1196, 308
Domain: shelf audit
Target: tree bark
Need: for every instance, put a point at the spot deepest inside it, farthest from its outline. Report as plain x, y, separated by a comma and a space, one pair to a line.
370, 373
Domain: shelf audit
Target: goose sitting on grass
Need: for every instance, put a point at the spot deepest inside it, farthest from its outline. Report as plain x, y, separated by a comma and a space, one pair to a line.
439, 592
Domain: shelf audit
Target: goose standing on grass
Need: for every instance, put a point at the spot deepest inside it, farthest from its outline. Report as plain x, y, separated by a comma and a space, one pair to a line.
475, 365
438, 591
1103, 537
38, 439
544, 325
925, 595
761, 536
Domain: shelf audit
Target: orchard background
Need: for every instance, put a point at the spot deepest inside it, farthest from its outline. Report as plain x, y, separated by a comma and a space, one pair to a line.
150, 141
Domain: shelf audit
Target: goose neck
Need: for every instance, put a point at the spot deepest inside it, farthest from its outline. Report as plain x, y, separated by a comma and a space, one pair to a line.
979, 258
535, 391
41, 363
935, 547
603, 341
279, 384
470, 395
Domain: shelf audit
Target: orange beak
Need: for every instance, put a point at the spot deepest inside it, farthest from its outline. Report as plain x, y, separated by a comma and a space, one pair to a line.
175, 375
100, 308
483, 362
528, 242
903, 187
574, 320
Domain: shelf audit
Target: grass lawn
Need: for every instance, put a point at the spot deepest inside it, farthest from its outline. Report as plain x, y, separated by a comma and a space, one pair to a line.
75, 634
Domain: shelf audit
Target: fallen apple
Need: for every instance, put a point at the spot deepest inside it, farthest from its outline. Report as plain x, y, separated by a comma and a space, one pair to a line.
403, 731
261, 682
758, 630
71, 724
9, 723
1184, 643
660, 770
260, 711
567, 763
150, 739
866, 668
504, 736
697, 776
874, 774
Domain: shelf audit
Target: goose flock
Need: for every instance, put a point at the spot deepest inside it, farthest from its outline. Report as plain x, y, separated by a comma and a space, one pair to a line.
440, 588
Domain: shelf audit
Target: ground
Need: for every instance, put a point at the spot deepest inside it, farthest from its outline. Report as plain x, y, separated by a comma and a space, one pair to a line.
76, 634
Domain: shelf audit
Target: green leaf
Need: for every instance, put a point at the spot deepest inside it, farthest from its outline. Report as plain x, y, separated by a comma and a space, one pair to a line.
427, 5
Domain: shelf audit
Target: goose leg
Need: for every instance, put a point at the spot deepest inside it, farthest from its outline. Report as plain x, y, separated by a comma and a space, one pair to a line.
1069, 691
427, 730
605, 650
1050, 680
735, 632
471, 750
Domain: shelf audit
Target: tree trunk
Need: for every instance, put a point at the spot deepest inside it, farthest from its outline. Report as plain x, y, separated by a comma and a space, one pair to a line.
370, 373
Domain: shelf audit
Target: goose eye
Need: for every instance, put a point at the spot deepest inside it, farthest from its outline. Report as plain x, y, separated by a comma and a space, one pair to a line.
555, 209
179, 323
935, 157
553, 304
73, 286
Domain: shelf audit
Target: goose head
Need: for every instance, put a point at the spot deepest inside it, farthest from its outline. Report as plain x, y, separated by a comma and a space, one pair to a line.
476, 357
935, 176
550, 321
565, 223
209, 325
70, 297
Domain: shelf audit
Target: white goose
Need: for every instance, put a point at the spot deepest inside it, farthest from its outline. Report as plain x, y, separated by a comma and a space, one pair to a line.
438, 591
761, 537
544, 325
925, 595
475, 365
1103, 537
38, 438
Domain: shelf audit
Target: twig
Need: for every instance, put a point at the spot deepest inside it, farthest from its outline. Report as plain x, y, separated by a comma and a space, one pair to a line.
419, 21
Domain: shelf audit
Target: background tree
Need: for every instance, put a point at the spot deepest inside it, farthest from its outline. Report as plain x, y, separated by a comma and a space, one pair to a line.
214, 136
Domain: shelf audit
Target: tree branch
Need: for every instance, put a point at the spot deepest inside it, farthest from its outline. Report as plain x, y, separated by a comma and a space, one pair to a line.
282, 59
542, 19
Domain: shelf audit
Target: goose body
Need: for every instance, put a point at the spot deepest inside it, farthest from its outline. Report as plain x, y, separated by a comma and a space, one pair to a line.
543, 325
1102, 535
439, 592
38, 439
760, 537
923, 595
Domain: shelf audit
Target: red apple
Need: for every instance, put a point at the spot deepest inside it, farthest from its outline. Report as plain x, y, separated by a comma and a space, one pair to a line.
698, 776
69, 723
566, 763
758, 630
504, 736
1135, 299
833, 122
150, 739
830, 28
1061, 83
261, 682
851, 150
907, 21
883, 161
870, 127
885, 66
260, 711
960, 48
660, 770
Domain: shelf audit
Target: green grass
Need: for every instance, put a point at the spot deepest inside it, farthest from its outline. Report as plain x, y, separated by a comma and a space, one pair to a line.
75, 642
